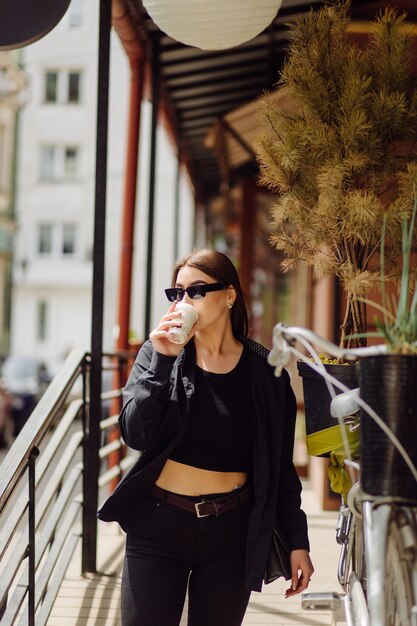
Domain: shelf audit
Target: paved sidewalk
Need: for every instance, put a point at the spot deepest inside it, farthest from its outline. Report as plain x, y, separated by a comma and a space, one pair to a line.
95, 601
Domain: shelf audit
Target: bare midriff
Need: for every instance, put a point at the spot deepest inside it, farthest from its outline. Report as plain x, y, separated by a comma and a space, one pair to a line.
193, 481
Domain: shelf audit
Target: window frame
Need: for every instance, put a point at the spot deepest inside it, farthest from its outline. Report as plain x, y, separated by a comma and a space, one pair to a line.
62, 86
40, 239
42, 320
59, 246
56, 165
77, 10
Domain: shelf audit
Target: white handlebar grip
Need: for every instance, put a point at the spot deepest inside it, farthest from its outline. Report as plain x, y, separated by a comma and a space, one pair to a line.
280, 354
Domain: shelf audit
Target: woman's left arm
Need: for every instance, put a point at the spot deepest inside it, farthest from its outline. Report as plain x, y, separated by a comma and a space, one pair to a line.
291, 517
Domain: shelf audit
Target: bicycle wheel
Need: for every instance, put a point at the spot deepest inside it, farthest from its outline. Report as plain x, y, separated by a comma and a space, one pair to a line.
400, 572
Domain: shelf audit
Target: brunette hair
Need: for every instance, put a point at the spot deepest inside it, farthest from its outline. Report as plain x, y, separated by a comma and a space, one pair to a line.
220, 267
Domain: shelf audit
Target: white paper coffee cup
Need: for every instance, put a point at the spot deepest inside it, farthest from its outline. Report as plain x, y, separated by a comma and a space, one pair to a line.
189, 316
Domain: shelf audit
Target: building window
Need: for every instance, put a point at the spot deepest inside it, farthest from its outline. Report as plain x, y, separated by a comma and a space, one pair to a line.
51, 86
48, 158
76, 14
58, 163
74, 79
42, 320
62, 86
57, 239
68, 238
70, 163
45, 238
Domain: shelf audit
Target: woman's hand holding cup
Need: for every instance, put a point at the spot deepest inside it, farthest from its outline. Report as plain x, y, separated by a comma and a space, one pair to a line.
171, 344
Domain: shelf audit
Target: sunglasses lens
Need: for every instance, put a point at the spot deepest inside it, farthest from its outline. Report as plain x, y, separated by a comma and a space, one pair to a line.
196, 292
174, 294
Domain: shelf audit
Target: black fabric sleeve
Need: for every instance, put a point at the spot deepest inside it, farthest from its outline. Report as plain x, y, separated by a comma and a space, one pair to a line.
290, 515
145, 397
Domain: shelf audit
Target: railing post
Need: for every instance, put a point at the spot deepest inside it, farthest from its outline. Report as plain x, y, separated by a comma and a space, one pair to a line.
3, 608
31, 538
92, 434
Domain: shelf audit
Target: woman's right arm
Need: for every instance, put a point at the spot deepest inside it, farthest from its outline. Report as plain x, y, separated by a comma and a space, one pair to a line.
145, 396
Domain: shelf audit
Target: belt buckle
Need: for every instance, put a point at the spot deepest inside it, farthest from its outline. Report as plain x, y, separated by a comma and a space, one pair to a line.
197, 510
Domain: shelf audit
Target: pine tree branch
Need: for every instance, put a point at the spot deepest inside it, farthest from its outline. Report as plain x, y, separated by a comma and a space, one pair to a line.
370, 254
354, 135
344, 324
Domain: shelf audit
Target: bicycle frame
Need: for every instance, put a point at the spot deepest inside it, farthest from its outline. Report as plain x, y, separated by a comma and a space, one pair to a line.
377, 529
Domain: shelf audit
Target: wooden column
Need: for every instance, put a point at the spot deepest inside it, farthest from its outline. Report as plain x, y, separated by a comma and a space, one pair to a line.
127, 240
247, 233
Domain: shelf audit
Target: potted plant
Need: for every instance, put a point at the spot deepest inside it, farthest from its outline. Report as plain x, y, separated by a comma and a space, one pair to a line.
342, 157
387, 383
345, 155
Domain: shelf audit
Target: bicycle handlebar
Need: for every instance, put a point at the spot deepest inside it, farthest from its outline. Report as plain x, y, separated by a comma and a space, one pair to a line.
284, 338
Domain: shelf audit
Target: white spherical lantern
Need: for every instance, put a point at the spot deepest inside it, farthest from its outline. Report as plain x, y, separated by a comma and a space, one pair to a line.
212, 24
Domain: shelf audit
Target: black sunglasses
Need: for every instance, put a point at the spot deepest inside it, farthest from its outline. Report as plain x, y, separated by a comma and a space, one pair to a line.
195, 292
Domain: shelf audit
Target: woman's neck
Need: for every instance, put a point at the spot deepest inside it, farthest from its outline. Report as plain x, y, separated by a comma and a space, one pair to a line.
213, 343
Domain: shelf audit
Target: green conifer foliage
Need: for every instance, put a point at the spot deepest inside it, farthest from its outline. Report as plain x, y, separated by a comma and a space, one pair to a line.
345, 152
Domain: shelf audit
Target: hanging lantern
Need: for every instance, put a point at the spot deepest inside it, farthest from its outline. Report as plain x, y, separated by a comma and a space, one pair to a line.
212, 24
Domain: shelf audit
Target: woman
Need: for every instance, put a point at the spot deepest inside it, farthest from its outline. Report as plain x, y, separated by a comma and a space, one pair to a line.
216, 431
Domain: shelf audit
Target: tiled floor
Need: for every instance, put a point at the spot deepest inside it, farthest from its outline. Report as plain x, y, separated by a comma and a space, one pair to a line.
95, 601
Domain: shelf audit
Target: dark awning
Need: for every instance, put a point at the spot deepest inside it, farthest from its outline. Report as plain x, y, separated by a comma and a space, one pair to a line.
204, 86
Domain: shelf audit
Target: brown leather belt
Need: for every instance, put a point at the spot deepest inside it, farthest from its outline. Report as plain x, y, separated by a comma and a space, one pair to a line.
203, 508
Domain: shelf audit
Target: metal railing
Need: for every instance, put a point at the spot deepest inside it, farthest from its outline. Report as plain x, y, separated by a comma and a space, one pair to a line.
44, 487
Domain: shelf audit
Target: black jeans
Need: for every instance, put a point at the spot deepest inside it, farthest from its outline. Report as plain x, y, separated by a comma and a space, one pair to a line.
169, 550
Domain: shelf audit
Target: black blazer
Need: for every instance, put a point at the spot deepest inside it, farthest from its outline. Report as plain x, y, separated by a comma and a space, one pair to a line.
157, 401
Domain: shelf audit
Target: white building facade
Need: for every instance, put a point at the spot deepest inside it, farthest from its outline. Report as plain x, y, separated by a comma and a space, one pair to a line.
52, 277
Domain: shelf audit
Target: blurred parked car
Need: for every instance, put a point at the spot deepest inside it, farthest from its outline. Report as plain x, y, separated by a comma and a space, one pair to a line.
25, 379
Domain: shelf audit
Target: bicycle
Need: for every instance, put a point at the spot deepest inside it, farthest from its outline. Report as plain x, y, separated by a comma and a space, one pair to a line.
377, 567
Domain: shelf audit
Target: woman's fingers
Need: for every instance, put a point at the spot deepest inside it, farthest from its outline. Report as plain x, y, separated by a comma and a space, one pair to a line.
302, 569
171, 314
170, 323
160, 337
170, 319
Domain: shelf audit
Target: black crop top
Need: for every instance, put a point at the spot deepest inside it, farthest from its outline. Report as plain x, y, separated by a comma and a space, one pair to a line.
219, 437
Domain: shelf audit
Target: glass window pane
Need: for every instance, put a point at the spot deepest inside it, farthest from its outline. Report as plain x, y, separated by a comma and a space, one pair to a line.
41, 325
76, 13
51, 86
70, 162
45, 238
48, 157
74, 87
68, 238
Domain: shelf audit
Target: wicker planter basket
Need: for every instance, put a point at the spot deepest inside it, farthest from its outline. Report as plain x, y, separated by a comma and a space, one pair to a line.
388, 384
317, 402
